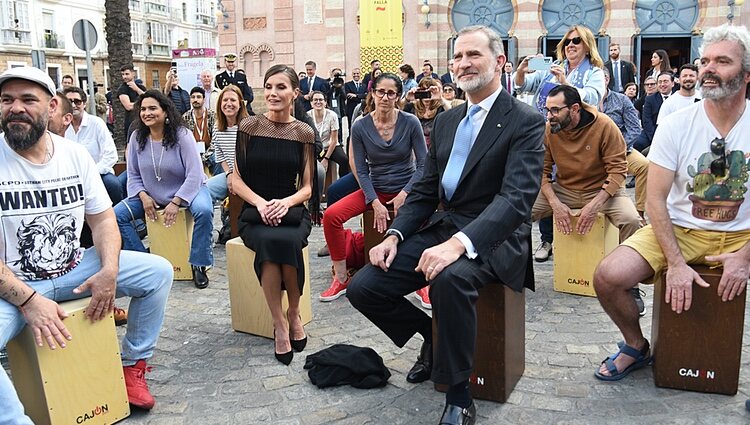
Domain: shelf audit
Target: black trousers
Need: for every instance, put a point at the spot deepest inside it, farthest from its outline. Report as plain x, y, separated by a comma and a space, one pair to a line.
379, 295
339, 157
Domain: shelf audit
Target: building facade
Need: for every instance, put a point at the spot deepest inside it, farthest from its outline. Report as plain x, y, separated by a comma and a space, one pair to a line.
327, 31
157, 27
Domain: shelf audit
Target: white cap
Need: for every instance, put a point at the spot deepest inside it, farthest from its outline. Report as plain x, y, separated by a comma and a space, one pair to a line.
28, 73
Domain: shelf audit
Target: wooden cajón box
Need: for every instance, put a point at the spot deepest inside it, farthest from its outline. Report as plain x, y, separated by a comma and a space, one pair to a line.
249, 309
81, 383
371, 235
576, 256
173, 243
500, 352
698, 349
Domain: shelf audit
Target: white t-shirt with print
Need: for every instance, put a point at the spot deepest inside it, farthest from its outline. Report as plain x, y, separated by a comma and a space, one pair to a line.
698, 199
42, 207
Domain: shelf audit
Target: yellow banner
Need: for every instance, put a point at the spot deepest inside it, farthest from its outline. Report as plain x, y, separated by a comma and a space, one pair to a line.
381, 33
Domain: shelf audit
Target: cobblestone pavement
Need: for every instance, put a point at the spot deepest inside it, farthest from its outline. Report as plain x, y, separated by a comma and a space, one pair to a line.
205, 373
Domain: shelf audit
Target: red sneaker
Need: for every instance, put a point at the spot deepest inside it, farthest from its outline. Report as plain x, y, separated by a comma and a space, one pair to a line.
334, 291
423, 295
135, 383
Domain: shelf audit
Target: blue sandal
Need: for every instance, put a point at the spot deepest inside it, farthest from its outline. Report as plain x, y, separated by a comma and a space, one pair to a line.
642, 358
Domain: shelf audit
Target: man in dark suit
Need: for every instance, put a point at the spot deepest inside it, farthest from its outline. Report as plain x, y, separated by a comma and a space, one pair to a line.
427, 71
231, 75
651, 108
507, 77
649, 85
622, 71
312, 83
356, 92
450, 77
374, 64
482, 175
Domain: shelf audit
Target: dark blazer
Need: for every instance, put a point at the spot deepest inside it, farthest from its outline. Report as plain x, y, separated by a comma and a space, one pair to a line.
352, 103
498, 186
627, 73
319, 84
239, 80
446, 78
651, 107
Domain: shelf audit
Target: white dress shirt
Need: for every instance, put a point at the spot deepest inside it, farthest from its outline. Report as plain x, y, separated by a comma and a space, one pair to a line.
96, 138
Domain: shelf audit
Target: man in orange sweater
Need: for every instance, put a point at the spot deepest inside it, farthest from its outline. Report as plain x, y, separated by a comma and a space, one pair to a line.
589, 152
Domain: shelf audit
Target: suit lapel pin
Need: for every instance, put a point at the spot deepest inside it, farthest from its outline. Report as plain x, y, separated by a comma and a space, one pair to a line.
499, 126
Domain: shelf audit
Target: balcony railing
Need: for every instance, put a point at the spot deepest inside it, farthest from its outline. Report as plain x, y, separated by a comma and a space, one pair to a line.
135, 5
157, 8
201, 19
52, 41
16, 36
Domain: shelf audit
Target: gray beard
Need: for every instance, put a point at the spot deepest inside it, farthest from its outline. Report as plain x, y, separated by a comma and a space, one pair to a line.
21, 140
555, 128
477, 82
725, 89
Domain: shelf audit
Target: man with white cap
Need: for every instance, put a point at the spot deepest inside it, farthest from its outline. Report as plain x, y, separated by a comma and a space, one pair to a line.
237, 77
48, 187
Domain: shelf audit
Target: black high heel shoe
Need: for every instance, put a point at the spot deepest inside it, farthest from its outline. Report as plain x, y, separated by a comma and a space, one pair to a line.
297, 344
285, 358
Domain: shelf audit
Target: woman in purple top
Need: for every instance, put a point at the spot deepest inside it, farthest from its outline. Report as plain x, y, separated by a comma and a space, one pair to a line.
389, 152
165, 172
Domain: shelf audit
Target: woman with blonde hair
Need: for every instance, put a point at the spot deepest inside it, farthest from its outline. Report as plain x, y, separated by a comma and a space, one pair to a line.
578, 64
426, 109
230, 111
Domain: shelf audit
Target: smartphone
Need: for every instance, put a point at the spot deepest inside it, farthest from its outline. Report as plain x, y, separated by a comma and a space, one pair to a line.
422, 94
540, 63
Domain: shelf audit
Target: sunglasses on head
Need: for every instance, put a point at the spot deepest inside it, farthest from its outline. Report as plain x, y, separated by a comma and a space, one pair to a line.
719, 166
574, 40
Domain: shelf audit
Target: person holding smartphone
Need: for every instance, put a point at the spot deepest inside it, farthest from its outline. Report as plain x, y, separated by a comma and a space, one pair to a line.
578, 64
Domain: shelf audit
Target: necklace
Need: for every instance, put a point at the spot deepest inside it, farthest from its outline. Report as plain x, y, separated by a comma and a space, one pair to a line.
47, 150
385, 128
157, 171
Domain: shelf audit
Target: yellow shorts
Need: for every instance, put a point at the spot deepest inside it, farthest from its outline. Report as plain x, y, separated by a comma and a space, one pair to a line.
695, 245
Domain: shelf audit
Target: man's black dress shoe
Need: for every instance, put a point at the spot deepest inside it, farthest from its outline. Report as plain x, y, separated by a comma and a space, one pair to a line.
422, 369
454, 415
200, 278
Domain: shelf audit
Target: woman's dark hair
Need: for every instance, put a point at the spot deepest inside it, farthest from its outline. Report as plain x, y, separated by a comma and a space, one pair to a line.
283, 69
664, 66
172, 121
624, 89
407, 69
389, 76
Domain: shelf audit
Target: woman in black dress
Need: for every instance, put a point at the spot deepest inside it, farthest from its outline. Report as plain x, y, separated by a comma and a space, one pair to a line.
275, 162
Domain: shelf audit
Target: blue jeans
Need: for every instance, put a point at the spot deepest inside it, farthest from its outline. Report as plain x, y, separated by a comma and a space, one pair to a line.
113, 186
144, 277
217, 187
340, 188
123, 179
201, 251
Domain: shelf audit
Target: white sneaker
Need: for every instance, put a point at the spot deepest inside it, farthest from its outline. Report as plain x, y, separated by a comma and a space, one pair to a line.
543, 252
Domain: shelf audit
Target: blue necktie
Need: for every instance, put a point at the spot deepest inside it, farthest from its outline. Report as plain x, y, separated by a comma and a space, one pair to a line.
461, 146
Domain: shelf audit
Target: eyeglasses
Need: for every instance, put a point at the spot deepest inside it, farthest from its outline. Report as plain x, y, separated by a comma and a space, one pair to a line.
719, 166
77, 102
447, 89
318, 100
381, 93
649, 84
574, 40
554, 110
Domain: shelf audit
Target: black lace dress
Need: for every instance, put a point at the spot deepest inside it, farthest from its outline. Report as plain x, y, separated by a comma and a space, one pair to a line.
271, 158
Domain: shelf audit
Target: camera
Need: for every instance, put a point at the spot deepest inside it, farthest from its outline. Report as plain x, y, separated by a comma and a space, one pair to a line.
422, 94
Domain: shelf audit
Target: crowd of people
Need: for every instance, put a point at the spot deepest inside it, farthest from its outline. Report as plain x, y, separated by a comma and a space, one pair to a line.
454, 167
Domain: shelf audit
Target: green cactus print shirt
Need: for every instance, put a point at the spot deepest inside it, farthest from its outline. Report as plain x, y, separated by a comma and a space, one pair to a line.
711, 182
